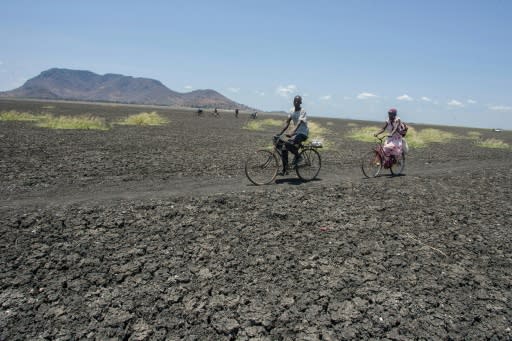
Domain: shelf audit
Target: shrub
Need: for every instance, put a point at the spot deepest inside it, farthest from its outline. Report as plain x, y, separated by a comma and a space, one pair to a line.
363, 134
415, 138
492, 143
72, 122
259, 125
144, 119
17, 116
422, 138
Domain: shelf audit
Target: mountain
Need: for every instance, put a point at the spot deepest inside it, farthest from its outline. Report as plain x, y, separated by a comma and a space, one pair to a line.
65, 84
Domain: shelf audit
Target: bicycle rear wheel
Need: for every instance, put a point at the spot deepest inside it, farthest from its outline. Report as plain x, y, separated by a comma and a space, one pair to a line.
398, 167
261, 167
310, 165
371, 164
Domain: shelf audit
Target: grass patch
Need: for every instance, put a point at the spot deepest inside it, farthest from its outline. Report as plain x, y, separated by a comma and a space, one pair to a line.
258, 125
144, 119
422, 138
474, 135
415, 138
492, 143
363, 134
319, 133
76, 122
17, 116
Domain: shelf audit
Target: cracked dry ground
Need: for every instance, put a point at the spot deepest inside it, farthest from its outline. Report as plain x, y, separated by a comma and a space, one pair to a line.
426, 255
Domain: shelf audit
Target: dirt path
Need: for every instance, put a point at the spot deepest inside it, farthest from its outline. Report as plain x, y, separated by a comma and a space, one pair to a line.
206, 185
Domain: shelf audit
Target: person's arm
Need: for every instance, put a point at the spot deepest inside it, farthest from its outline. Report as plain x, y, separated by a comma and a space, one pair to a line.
286, 125
295, 129
381, 131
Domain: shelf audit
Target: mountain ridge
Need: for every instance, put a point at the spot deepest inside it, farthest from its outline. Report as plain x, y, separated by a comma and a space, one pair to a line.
84, 85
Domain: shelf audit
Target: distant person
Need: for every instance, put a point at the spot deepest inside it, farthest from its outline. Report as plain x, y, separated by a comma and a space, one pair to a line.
215, 112
394, 142
236, 113
299, 133
199, 112
254, 115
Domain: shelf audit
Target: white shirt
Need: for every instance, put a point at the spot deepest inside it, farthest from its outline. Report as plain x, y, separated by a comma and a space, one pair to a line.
297, 117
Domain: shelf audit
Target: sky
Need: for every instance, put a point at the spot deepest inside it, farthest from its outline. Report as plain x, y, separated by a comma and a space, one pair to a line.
438, 62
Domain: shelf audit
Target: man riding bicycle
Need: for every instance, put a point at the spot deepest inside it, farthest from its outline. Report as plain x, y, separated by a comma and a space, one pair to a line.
298, 134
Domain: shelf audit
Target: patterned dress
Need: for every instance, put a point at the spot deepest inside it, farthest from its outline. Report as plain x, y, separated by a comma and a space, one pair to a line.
393, 144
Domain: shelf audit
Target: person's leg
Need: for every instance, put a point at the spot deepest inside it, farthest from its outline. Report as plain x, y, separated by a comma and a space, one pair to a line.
293, 142
284, 157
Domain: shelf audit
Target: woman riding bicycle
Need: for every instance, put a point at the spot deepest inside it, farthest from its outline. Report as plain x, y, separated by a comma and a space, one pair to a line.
394, 142
298, 135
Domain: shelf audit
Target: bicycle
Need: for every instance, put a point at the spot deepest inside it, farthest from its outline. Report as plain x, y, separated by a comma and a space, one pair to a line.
373, 162
262, 166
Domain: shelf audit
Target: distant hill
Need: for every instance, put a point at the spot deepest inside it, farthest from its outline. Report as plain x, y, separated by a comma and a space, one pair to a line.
65, 84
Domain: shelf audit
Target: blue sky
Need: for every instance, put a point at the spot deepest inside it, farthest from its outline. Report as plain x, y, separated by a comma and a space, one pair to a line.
439, 62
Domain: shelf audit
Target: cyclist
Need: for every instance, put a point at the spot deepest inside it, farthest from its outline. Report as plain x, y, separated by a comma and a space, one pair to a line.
394, 143
297, 135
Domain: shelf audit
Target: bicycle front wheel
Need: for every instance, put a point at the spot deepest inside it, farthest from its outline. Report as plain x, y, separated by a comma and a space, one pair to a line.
371, 164
398, 167
310, 165
261, 167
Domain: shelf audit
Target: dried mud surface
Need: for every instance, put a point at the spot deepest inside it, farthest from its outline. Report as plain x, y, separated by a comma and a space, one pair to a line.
153, 233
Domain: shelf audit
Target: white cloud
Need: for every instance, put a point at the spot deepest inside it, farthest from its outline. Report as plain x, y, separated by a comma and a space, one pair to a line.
405, 97
235, 90
366, 95
455, 103
325, 98
188, 87
259, 93
287, 90
471, 101
500, 108
426, 99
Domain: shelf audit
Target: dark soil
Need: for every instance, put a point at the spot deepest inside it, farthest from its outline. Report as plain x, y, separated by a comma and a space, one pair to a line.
154, 233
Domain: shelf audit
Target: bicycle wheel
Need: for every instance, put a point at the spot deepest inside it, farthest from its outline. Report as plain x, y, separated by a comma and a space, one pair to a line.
261, 167
371, 164
398, 167
310, 165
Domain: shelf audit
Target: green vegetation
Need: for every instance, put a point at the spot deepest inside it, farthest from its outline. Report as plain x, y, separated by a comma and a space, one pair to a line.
80, 122
415, 138
258, 125
144, 119
492, 143
318, 133
474, 135
424, 137
17, 116
69, 122
363, 134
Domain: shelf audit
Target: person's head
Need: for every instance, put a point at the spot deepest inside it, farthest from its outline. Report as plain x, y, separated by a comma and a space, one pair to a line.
392, 113
297, 101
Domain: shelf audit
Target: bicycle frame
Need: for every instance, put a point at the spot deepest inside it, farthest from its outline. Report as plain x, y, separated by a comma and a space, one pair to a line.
259, 167
279, 151
379, 149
